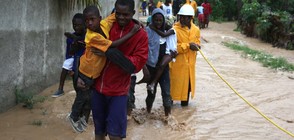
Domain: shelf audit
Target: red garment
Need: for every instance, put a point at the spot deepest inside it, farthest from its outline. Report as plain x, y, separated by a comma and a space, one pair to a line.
201, 18
207, 8
114, 81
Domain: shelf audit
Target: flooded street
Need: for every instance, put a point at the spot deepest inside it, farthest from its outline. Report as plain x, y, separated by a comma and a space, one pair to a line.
215, 113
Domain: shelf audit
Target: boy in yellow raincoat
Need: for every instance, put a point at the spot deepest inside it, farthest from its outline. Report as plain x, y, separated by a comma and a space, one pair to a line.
182, 71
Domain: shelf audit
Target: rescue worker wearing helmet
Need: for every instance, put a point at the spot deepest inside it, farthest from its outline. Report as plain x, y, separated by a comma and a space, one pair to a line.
183, 70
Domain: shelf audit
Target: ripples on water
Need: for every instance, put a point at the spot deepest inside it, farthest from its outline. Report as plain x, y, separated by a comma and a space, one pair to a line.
217, 112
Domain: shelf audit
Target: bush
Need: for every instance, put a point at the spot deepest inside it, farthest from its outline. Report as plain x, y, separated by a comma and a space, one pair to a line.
263, 24
250, 11
217, 11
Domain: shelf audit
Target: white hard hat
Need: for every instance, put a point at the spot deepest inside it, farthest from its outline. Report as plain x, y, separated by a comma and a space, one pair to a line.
186, 10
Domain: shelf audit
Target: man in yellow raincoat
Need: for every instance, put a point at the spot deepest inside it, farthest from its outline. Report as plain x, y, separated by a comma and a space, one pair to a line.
193, 4
182, 71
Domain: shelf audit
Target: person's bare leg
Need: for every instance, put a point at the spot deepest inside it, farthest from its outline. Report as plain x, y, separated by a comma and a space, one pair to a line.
145, 79
146, 76
62, 78
165, 60
100, 137
206, 21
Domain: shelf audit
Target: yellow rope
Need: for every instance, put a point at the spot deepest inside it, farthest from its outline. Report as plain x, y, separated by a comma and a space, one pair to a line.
289, 133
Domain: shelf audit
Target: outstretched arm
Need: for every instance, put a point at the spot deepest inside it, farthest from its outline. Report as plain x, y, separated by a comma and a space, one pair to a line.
139, 23
117, 57
161, 33
108, 22
126, 37
78, 42
194, 46
146, 75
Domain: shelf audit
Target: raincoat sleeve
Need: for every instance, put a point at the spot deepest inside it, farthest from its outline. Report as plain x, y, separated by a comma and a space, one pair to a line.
184, 40
183, 47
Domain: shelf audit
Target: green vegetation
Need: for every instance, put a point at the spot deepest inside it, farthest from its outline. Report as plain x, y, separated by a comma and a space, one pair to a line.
224, 10
269, 20
37, 122
266, 60
29, 100
237, 30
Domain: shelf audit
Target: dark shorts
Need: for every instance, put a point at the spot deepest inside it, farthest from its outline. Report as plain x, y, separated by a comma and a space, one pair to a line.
109, 114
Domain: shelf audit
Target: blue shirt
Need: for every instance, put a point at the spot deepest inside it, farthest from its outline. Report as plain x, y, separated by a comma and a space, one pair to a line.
78, 54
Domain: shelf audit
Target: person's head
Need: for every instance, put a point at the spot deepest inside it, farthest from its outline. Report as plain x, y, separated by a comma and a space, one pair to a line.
158, 18
92, 17
124, 11
186, 14
198, 3
167, 1
78, 23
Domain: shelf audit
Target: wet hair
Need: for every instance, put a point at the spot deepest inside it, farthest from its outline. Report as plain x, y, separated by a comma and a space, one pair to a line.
92, 8
129, 3
78, 16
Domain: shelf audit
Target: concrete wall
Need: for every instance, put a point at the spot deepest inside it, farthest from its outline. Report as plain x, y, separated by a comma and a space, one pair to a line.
32, 44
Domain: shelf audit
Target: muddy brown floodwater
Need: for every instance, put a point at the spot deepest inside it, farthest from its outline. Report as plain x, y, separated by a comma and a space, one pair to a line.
216, 112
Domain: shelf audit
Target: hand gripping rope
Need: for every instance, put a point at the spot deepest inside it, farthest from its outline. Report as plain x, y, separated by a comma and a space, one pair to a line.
264, 116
